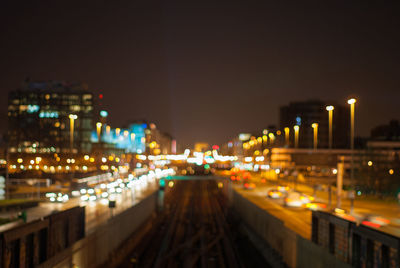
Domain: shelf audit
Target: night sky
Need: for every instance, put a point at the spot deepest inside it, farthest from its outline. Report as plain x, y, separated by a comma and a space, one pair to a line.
204, 71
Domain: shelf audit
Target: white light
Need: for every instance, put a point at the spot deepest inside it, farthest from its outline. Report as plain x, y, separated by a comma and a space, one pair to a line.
248, 159
351, 101
330, 108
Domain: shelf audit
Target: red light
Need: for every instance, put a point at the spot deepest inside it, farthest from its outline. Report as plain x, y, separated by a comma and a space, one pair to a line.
100, 96
263, 180
215, 147
246, 185
371, 224
233, 178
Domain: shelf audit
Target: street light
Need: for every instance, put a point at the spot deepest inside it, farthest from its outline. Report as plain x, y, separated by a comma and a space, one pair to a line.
287, 133
72, 118
330, 109
98, 126
352, 102
315, 127
296, 136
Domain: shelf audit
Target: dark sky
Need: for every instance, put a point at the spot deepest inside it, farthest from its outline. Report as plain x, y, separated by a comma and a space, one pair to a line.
204, 71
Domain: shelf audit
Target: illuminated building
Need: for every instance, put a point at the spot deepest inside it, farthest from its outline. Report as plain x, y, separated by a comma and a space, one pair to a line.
139, 137
201, 147
39, 117
305, 113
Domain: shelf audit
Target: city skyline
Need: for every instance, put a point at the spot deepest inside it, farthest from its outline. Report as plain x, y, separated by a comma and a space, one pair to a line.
237, 67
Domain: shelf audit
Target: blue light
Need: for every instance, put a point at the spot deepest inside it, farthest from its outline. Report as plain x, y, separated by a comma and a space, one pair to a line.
298, 120
33, 108
48, 114
103, 113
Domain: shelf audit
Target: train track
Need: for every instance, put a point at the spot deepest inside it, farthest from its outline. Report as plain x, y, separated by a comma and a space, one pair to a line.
192, 231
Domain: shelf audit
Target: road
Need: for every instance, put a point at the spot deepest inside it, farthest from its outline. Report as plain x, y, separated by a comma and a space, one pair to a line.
296, 219
299, 219
96, 212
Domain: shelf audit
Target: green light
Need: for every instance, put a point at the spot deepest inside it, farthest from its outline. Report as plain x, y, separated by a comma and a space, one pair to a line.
162, 183
103, 113
206, 166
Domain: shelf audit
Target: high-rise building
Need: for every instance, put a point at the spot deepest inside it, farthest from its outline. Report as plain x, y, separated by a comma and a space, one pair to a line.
39, 118
305, 113
389, 132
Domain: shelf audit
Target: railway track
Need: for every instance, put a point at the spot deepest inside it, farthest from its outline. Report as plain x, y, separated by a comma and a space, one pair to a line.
192, 231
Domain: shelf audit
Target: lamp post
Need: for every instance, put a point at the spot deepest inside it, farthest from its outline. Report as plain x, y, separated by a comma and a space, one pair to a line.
98, 126
315, 127
330, 109
296, 136
72, 118
352, 102
287, 133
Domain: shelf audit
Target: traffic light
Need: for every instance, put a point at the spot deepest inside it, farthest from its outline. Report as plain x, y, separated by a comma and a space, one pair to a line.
162, 183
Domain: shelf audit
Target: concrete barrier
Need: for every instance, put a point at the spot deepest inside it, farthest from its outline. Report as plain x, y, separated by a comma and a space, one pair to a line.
96, 248
295, 250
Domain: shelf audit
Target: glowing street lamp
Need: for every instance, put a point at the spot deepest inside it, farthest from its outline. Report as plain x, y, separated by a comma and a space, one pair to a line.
330, 109
108, 129
352, 102
117, 131
315, 127
296, 136
287, 133
98, 126
72, 118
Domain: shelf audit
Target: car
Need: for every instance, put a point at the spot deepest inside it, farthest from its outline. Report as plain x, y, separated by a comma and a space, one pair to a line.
306, 198
249, 185
283, 189
59, 197
293, 199
274, 194
375, 221
316, 206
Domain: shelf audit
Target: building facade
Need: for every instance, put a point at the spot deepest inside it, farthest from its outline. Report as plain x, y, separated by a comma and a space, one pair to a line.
305, 113
39, 118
